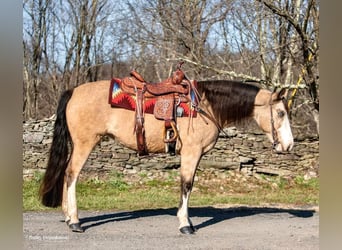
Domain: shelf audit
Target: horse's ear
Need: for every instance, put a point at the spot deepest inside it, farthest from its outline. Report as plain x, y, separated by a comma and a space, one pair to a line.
280, 95
283, 93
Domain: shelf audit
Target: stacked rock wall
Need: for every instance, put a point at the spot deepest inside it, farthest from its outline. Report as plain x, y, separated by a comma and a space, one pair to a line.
248, 152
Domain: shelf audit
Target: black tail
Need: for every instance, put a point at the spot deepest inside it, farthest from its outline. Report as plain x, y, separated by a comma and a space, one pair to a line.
51, 189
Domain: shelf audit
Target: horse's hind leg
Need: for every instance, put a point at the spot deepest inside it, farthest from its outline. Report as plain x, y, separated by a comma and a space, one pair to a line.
81, 151
189, 162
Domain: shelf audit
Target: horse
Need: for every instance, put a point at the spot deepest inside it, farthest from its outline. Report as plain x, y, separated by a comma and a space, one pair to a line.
84, 116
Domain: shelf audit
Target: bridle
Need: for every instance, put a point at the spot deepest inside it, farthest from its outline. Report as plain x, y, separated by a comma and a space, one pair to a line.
274, 132
196, 107
210, 117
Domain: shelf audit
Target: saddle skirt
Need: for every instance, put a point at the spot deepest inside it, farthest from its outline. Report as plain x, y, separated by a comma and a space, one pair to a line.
161, 105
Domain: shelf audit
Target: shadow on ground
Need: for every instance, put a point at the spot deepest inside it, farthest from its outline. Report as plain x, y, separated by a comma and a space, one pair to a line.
215, 215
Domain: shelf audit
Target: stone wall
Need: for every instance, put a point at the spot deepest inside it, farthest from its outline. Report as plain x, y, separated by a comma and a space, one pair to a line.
248, 152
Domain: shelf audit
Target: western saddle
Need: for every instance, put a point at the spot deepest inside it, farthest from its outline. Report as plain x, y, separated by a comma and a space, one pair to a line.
168, 93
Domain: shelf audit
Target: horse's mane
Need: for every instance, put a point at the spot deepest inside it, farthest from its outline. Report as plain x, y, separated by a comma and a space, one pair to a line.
231, 101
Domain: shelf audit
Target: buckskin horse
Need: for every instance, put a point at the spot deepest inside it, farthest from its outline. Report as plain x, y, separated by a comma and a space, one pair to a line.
84, 116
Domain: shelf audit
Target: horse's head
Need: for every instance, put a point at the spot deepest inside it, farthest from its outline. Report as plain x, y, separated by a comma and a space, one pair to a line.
271, 114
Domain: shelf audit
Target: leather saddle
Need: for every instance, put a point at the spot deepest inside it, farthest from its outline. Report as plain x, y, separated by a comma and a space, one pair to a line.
174, 89
174, 84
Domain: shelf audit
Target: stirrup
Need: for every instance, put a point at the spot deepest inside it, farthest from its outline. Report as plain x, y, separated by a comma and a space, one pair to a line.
175, 133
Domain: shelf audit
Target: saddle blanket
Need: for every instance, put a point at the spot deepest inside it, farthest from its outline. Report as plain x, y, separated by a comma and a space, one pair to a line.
121, 99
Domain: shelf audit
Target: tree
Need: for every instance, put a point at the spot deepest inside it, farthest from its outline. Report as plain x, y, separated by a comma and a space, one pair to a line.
62, 46
303, 19
34, 50
69, 42
175, 30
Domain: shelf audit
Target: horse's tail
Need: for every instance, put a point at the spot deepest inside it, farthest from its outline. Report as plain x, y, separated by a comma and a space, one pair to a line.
51, 189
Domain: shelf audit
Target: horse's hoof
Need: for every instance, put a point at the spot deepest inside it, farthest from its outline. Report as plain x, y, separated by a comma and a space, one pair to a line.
187, 230
76, 227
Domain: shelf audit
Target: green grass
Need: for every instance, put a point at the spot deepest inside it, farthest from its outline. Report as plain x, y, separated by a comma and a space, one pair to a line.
117, 193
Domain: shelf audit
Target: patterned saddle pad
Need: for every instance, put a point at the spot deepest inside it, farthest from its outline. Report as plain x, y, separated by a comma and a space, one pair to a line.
121, 99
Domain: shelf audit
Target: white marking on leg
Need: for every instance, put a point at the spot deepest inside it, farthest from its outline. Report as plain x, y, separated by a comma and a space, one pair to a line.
65, 200
72, 203
182, 213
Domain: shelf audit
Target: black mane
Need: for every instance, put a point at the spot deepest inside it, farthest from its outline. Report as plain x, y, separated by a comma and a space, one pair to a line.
231, 101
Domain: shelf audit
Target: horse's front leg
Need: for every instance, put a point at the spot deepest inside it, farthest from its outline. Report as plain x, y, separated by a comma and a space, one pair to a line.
189, 162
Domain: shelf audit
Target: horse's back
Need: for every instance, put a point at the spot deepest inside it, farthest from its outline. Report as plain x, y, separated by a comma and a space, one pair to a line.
89, 115
91, 91
88, 109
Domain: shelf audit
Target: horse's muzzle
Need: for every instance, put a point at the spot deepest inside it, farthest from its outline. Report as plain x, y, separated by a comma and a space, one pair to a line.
283, 148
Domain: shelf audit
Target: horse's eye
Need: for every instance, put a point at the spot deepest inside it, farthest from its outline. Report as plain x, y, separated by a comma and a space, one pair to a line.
281, 113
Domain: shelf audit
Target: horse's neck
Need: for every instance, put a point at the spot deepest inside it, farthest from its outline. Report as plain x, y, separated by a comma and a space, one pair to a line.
206, 106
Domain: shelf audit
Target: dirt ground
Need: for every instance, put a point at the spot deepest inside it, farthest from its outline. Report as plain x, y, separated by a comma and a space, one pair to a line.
236, 227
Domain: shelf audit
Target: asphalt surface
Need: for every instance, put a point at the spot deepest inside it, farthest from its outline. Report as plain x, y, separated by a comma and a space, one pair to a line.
217, 228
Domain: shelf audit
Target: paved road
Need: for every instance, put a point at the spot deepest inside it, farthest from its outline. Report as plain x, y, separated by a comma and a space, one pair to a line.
217, 228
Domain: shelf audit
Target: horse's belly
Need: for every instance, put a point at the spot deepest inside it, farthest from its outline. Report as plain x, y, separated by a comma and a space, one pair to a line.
195, 134
123, 130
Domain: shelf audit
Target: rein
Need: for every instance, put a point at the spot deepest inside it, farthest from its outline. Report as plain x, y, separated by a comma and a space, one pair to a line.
274, 133
201, 111
211, 118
